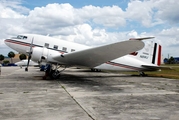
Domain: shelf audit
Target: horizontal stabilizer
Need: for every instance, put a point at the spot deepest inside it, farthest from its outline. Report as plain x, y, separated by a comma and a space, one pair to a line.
156, 67
141, 38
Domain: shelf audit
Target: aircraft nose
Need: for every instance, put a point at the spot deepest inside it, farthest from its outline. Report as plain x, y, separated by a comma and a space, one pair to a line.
6, 42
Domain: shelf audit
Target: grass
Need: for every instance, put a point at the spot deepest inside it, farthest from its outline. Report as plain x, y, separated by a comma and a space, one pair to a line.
172, 73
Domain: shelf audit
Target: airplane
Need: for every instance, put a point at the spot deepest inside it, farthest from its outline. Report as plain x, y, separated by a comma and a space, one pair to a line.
128, 55
24, 63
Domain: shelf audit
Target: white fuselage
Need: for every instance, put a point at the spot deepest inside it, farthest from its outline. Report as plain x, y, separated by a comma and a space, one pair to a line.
52, 46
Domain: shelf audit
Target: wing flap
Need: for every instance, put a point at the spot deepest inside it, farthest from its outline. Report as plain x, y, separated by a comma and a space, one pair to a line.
95, 56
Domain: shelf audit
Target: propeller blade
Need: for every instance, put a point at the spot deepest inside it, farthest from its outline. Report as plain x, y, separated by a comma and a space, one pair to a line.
30, 53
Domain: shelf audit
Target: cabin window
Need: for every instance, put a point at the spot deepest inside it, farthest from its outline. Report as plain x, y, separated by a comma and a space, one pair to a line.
55, 47
64, 49
72, 50
46, 45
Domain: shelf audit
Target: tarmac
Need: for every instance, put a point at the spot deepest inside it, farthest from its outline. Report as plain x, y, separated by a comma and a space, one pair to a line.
83, 95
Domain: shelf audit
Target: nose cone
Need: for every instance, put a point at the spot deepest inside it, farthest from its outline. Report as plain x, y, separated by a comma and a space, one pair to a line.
7, 42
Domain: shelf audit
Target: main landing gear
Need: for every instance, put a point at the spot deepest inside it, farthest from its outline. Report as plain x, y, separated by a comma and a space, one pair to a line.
51, 72
95, 70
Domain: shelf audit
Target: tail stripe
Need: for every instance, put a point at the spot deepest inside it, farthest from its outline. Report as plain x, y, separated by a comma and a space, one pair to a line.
159, 55
154, 53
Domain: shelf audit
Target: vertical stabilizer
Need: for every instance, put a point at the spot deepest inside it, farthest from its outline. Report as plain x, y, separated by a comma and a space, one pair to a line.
150, 54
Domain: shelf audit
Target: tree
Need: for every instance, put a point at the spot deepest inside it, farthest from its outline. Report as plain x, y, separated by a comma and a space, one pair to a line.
171, 60
22, 57
6, 62
1, 58
11, 55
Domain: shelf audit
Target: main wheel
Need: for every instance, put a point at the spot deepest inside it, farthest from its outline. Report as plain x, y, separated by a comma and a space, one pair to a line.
54, 74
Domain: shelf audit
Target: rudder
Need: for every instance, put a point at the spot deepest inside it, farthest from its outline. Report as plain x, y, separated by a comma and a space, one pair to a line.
156, 59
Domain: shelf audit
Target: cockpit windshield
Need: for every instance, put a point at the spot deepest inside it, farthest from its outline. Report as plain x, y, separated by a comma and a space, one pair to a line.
21, 37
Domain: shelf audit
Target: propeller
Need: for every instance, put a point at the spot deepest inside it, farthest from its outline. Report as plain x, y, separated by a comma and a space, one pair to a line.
30, 54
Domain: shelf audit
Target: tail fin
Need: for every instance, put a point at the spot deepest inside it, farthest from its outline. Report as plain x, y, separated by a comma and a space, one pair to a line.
151, 53
156, 59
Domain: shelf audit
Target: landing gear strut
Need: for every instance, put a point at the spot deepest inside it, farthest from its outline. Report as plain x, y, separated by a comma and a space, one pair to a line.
142, 74
52, 73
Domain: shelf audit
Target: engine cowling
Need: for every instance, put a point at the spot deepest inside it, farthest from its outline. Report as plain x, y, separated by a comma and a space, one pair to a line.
37, 53
43, 54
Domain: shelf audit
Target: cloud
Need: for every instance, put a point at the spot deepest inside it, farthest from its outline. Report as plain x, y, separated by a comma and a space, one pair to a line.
167, 10
52, 15
11, 17
85, 34
153, 12
106, 16
64, 15
140, 11
93, 25
12, 9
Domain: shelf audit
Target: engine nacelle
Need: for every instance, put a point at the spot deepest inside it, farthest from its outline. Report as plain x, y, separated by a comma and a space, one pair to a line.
37, 53
43, 54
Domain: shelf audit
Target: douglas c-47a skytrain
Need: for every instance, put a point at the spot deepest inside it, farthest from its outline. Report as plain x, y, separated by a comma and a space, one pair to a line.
129, 55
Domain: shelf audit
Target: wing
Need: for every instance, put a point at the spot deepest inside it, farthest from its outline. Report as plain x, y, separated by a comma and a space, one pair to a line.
95, 56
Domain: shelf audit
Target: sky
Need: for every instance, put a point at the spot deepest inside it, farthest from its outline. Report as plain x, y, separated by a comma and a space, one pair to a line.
93, 22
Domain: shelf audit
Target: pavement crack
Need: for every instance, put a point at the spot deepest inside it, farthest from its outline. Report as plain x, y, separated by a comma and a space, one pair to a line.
75, 100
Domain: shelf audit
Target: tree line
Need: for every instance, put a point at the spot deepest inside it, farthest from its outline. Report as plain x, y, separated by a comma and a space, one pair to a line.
11, 55
170, 60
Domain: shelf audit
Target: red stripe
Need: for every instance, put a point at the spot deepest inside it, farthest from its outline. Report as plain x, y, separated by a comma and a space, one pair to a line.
159, 55
18, 42
124, 66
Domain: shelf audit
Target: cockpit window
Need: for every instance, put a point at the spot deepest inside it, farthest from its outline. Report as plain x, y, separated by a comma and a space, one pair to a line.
21, 37
25, 37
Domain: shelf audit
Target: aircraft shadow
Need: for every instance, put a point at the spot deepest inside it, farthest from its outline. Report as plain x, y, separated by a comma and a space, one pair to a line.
92, 83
